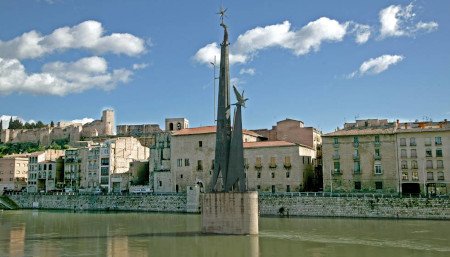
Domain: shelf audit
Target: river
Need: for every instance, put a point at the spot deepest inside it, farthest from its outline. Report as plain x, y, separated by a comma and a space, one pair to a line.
128, 234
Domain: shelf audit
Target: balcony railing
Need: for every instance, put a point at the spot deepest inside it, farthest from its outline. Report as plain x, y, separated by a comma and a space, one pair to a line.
377, 143
412, 144
337, 172
355, 144
356, 171
404, 156
413, 155
355, 156
377, 156
336, 156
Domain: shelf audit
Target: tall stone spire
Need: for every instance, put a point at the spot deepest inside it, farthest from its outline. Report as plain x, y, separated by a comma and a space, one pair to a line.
223, 134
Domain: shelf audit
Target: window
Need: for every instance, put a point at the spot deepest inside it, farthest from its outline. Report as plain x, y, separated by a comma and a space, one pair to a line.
378, 169
377, 153
413, 153
258, 175
288, 174
403, 153
104, 171
440, 175
440, 164
412, 141
405, 176
287, 162
377, 139
273, 174
171, 126
200, 144
404, 164
179, 162
273, 188
402, 141
160, 183
181, 175
357, 185
429, 164
415, 176
355, 141
335, 155
105, 161
438, 141
258, 187
337, 167
355, 153
414, 165
178, 126
438, 152
430, 175
199, 165
356, 167
186, 162
288, 188
104, 181
378, 185
336, 140
273, 162
427, 141
258, 163
245, 163
428, 153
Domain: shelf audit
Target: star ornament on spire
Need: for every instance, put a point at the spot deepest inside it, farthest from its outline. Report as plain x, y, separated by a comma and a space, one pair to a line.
240, 97
222, 14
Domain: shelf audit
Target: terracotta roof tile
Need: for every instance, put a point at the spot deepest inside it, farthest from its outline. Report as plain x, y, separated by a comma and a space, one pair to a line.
208, 130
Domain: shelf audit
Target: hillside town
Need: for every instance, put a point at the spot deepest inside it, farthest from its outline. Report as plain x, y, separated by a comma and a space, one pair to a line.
365, 156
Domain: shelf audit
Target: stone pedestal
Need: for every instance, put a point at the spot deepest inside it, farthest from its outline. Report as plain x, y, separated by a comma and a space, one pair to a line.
230, 213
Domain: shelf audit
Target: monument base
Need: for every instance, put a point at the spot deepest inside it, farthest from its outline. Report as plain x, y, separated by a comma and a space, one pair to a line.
230, 213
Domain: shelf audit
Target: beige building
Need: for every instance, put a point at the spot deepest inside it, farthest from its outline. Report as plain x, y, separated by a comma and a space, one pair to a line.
93, 167
361, 157
423, 153
13, 172
186, 159
387, 157
45, 171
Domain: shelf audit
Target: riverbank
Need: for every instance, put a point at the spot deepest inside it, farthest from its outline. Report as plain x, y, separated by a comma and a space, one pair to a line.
269, 204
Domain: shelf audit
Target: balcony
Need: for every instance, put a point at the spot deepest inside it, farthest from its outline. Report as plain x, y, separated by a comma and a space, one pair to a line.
258, 167
355, 144
412, 144
356, 171
336, 157
272, 166
414, 156
377, 143
377, 156
336, 145
287, 166
403, 156
355, 156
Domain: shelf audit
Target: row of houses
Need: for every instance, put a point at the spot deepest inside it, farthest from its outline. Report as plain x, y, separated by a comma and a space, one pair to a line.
365, 156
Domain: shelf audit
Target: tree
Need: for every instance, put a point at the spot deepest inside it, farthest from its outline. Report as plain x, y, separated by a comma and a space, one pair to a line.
52, 124
10, 123
40, 124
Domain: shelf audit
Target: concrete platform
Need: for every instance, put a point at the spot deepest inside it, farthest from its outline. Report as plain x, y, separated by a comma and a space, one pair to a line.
230, 213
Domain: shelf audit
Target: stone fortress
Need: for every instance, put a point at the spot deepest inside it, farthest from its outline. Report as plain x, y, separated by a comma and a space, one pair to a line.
70, 131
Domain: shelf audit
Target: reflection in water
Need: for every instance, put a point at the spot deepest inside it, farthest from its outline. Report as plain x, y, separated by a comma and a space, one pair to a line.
17, 240
51, 233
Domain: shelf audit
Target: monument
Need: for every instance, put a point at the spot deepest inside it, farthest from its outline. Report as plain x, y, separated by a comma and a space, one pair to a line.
229, 208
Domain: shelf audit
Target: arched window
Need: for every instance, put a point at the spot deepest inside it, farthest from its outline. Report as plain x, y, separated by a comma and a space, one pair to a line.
179, 126
171, 126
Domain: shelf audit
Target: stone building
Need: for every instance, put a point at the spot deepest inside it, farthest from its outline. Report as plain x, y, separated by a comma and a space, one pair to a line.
13, 172
380, 156
361, 157
145, 133
184, 158
174, 124
93, 167
69, 131
45, 171
423, 154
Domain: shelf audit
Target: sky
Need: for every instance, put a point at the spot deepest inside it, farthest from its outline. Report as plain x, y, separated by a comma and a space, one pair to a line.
322, 62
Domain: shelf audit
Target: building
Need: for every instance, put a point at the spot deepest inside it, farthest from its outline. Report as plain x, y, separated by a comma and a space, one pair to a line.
185, 158
423, 154
145, 133
45, 171
68, 131
388, 157
174, 124
95, 166
13, 172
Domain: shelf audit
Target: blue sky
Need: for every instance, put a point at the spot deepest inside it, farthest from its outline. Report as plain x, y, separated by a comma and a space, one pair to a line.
148, 60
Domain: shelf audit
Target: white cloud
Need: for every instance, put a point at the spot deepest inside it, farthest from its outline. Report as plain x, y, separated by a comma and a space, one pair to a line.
83, 120
376, 65
249, 71
362, 33
60, 78
397, 20
300, 42
86, 35
139, 66
235, 81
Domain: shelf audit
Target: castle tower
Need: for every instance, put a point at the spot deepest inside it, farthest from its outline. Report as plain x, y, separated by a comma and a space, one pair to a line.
108, 121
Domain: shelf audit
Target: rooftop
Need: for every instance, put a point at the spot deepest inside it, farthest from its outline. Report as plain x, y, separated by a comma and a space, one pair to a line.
260, 144
207, 130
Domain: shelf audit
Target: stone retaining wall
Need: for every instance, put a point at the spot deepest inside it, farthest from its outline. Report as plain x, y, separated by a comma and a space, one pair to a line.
153, 203
360, 207
293, 205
